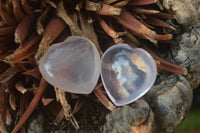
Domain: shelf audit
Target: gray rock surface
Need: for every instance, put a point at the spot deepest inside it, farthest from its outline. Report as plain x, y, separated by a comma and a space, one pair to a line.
186, 11
137, 117
36, 124
170, 99
186, 53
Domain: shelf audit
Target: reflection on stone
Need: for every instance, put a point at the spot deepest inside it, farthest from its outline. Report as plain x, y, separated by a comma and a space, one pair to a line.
127, 73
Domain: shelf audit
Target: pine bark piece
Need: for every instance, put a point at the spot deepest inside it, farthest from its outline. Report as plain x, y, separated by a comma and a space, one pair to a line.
3, 108
40, 21
17, 10
109, 10
5, 17
61, 12
109, 1
5, 39
7, 30
100, 94
145, 11
27, 8
164, 37
52, 31
142, 2
115, 35
138, 29
157, 22
170, 99
31, 106
25, 52
33, 72
12, 100
121, 3
22, 30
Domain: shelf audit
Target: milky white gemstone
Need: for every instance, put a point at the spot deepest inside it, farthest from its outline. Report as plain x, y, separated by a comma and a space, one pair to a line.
72, 65
127, 73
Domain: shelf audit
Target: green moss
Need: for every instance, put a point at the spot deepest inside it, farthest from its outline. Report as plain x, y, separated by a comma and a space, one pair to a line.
192, 121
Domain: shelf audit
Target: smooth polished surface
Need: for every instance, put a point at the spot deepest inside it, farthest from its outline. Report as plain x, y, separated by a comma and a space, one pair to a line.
127, 73
72, 65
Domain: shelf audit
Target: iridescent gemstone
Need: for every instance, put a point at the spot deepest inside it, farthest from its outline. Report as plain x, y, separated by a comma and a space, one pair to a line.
72, 65
127, 73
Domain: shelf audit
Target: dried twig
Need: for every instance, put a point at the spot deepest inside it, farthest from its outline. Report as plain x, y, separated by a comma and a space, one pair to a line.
32, 105
52, 31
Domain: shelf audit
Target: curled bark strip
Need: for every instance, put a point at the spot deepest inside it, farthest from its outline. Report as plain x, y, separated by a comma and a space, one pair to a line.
172, 68
121, 3
38, 11
51, 3
20, 88
27, 8
5, 17
162, 64
33, 72
3, 48
32, 105
78, 105
109, 10
9, 73
23, 53
166, 15
74, 96
46, 101
99, 93
34, 0
61, 12
40, 21
18, 13
145, 2
7, 30
134, 40
167, 41
145, 11
8, 7
110, 1
157, 22
3, 107
109, 31
52, 31
59, 117
164, 37
2, 23
22, 31
147, 25
166, 65
5, 39
138, 29
142, 2
12, 100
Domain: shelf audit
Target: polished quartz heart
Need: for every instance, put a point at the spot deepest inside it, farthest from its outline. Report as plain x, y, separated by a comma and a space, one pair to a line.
127, 73
72, 65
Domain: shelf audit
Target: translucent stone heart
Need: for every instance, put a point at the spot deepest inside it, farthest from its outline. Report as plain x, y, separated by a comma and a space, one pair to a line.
72, 65
127, 73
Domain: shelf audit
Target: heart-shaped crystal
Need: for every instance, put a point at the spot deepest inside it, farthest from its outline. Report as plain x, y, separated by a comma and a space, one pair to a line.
127, 73
72, 65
